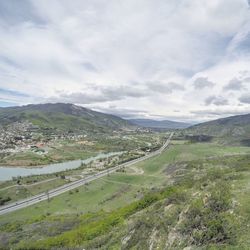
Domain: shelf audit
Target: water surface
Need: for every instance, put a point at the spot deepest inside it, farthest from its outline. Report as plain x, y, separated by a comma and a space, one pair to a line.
6, 172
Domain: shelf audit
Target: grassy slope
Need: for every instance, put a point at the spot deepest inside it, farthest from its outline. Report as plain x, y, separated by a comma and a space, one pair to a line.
121, 189
152, 177
22, 192
63, 117
231, 130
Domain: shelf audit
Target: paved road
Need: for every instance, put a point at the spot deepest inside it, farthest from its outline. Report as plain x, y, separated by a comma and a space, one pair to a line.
57, 191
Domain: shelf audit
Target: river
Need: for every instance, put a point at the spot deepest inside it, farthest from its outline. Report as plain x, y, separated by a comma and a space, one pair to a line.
6, 172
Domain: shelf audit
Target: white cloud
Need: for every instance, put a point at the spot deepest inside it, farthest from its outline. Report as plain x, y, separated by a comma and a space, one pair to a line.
203, 82
141, 55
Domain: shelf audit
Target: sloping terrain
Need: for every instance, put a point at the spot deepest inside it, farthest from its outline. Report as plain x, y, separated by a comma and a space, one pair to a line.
165, 124
193, 195
62, 117
235, 129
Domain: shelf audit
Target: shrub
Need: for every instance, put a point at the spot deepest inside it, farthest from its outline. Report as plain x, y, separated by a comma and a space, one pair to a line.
4, 200
209, 221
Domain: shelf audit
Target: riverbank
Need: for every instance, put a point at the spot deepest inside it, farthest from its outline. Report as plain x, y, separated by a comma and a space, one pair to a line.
8, 172
31, 159
66, 150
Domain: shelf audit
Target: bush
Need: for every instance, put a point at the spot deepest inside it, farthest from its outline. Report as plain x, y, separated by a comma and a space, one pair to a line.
219, 201
101, 226
177, 197
209, 221
4, 200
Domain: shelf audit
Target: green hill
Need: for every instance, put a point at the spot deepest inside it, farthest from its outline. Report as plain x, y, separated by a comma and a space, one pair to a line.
63, 117
235, 129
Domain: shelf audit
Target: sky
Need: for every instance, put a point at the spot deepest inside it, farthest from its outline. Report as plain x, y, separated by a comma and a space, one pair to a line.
185, 60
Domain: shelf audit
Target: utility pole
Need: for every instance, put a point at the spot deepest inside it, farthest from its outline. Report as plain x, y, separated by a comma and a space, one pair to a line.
47, 193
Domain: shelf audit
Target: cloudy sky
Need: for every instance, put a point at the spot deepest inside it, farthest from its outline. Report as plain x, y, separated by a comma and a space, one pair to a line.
186, 60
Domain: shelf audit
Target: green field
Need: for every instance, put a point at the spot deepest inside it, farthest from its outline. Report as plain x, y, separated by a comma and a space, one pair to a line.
19, 192
194, 170
67, 150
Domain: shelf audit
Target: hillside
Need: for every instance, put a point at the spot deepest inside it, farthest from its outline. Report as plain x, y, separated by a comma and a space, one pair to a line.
234, 128
176, 200
165, 124
62, 117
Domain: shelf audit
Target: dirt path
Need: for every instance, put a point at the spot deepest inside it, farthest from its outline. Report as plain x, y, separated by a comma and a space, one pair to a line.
136, 170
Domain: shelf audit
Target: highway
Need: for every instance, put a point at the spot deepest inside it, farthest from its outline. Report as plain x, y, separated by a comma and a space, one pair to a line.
67, 187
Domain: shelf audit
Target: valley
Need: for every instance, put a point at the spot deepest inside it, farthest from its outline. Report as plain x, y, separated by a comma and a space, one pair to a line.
153, 190
82, 180
37, 135
124, 125
182, 176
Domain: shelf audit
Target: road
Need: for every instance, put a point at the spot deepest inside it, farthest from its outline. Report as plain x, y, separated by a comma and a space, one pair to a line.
67, 187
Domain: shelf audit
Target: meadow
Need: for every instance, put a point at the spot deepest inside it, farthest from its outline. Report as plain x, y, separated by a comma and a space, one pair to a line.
181, 177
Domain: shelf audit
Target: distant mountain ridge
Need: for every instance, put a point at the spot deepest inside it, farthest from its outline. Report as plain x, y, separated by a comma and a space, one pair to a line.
165, 124
63, 117
234, 128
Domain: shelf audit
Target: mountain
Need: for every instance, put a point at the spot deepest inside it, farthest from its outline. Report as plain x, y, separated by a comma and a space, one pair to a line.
62, 117
234, 129
165, 124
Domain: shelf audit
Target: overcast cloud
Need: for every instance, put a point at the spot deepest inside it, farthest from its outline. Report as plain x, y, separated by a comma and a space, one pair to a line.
145, 58
216, 100
234, 85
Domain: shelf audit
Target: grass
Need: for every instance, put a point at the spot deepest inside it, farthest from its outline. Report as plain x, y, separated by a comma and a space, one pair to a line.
24, 187
188, 152
66, 150
20, 192
215, 224
123, 188
55, 155
93, 194
106, 193
89, 198
241, 193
